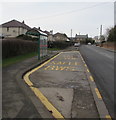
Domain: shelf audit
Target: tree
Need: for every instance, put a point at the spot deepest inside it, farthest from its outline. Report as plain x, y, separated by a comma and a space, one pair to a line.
112, 34
90, 40
102, 38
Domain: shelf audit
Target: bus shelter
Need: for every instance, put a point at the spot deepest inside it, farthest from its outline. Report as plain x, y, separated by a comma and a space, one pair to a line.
42, 41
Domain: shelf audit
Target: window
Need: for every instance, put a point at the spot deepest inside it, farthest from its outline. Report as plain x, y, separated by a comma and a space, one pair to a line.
7, 29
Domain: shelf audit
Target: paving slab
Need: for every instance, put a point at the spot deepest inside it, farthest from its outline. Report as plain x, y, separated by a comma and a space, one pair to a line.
15, 103
60, 98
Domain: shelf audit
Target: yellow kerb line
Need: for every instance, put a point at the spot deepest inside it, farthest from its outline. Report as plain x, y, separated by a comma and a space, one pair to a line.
98, 93
43, 64
26, 78
108, 117
48, 105
85, 65
37, 92
91, 78
88, 70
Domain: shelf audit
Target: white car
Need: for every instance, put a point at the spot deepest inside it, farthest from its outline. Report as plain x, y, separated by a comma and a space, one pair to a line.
89, 43
2, 36
77, 44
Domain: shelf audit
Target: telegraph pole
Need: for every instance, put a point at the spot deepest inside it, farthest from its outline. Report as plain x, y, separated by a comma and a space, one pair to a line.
101, 34
100, 30
71, 34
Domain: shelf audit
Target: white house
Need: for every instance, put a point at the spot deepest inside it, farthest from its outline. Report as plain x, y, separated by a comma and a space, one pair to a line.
14, 28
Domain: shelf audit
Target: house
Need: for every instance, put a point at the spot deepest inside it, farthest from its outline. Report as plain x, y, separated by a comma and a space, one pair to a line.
35, 32
14, 28
60, 37
72, 39
51, 36
96, 38
81, 38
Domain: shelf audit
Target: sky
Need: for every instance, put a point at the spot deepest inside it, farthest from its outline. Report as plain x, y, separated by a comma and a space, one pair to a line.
82, 17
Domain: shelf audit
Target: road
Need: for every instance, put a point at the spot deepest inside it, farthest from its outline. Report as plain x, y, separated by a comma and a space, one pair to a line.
101, 65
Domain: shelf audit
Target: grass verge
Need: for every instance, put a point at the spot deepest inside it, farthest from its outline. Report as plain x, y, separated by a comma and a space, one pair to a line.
13, 60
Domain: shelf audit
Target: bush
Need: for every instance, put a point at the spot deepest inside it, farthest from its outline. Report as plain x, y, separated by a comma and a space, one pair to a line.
11, 48
26, 37
89, 40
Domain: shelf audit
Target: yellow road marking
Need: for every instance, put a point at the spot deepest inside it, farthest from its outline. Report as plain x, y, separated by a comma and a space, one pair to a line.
62, 68
98, 93
91, 78
75, 63
26, 78
65, 68
56, 67
52, 62
85, 65
47, 67
63, 63
52, 67
69, 58
88, 70
108, 117
69, 63
48, 105
43, 99
58, 63
43, 64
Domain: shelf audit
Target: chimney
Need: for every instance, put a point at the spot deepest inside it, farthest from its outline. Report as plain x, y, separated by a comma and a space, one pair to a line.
23, 22
51, 32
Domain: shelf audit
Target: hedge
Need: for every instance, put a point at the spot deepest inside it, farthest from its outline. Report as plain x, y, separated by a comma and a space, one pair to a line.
11, 48
59, 44
26, 37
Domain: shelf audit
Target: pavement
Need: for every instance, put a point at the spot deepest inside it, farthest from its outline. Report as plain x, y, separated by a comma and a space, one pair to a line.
108, 49
60, 83
15, 103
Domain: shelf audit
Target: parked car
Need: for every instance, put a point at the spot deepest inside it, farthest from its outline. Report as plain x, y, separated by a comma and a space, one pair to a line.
2, 36
89, 43
77, 44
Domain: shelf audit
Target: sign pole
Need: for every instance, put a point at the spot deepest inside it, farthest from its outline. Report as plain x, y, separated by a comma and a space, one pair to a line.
39, 47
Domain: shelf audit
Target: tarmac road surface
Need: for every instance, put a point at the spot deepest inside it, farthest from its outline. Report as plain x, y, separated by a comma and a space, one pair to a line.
101, 65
